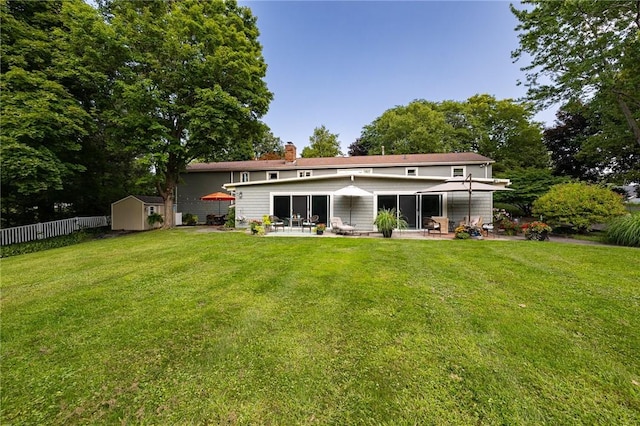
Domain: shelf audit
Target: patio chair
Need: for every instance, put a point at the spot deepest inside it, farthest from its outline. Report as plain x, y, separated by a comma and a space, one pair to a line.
476, 221
311, 222
340, 228
276, 223
429, 224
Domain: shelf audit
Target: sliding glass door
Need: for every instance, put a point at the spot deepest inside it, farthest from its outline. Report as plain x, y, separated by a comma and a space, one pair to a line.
413, 207
304, 206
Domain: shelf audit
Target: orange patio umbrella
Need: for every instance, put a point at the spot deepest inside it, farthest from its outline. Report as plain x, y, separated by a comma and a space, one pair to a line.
218, 196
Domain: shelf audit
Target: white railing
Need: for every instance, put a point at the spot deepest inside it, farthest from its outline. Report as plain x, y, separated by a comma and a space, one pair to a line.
40, 231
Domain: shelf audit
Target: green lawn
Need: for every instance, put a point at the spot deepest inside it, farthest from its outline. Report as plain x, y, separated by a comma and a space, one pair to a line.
185, 327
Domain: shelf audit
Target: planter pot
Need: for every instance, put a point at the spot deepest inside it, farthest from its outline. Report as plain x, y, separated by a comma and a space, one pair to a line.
386, 233
537, 236
318, 232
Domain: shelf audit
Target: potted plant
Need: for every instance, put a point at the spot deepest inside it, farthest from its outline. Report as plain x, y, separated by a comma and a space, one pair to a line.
154, 218
462, 233
537, 231
320, 228
387, 220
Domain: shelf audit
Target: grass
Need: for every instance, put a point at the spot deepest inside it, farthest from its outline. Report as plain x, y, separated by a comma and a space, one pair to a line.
187, 327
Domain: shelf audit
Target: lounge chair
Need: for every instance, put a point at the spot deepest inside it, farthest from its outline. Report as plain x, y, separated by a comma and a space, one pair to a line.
340, 228
276, 222
429, 224
311, 222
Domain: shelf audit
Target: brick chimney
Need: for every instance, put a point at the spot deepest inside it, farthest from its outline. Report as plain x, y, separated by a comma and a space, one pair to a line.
289, 152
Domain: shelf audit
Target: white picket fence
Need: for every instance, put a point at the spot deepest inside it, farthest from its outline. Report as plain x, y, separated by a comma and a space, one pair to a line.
40, 231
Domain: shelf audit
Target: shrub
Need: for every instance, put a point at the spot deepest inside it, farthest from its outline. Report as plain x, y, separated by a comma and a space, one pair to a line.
625, 231
154, 218
189, 219
230, 222
579, 206
50, 243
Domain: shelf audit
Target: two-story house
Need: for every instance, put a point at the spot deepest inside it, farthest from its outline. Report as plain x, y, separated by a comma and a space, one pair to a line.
302, 187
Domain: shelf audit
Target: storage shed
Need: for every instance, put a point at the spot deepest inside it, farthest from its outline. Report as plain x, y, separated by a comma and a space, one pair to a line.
131, 213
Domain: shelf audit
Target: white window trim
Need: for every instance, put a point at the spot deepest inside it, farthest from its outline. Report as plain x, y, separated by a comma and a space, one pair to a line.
275, 178
151, 210
242, 176
305, 173
355, 171
464, 171
406, 171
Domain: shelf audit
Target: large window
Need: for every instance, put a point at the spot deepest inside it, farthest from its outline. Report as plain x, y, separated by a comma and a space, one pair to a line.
286, 206
413, 208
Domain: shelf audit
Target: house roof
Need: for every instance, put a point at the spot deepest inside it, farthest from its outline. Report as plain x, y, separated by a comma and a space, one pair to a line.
338, 162
356, 176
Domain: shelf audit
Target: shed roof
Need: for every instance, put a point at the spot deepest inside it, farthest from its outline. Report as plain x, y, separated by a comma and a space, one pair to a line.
149, 199
338, 162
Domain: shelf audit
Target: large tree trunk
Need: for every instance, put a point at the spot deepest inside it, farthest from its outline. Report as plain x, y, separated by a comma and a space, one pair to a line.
169, 214
167, 192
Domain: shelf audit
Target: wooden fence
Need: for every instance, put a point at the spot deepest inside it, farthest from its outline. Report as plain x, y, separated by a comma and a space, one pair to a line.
40, 231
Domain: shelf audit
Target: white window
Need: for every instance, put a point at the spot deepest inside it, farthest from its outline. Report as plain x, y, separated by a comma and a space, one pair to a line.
272, 175
458, 171
411, 171
152, 210
304, 173
244, 177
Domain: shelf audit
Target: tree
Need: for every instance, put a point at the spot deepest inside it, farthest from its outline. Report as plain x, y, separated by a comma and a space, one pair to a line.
191, 86
43, 123
528, 185
582, 48
579, 205
415, 128
503, 130
323, 144
269, 147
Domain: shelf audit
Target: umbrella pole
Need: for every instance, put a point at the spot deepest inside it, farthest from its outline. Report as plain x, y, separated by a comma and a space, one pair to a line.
469, 207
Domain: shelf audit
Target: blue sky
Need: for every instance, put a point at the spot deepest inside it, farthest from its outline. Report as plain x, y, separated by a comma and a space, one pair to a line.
342, 64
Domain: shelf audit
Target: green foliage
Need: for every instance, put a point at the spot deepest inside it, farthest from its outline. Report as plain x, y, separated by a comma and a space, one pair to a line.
387, 220
582, 148
579, 205
581, 48
58, 64
500, 129
415, 128
231, 218
190, 85
154, 218
268, 147
50, 243
189, 219
625, 230
323, 144
527, 185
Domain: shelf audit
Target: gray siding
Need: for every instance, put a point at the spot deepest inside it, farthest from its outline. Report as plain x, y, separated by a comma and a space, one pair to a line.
257, 200
196, 185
